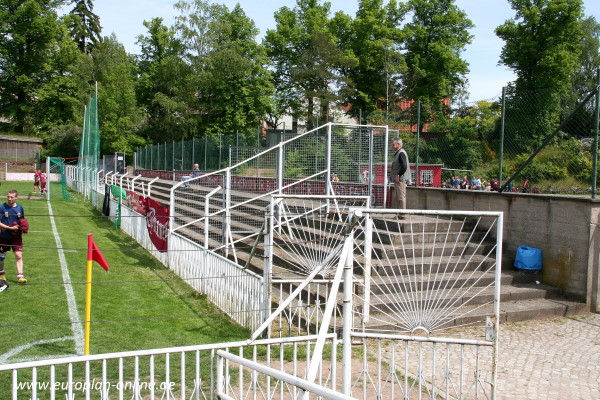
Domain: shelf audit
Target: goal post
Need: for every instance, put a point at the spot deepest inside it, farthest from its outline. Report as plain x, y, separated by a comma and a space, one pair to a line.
55, 171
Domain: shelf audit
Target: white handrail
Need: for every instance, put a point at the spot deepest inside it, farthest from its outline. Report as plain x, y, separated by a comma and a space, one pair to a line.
151, 352
132, 183
121, 179
206, 211
150, 185
279, 375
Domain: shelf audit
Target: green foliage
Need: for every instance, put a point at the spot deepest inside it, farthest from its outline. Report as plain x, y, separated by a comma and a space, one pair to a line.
307, 61
84, 25
584, 79
542, 43
434, 40
543, 46
61, 141
234, 85
163, 88
29, 32
568, 160
58, 102
117, 107
374, 38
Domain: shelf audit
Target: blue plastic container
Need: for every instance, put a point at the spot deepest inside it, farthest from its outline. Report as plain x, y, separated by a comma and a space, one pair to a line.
528, 258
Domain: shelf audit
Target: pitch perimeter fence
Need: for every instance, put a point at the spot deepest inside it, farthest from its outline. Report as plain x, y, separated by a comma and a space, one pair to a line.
539, 141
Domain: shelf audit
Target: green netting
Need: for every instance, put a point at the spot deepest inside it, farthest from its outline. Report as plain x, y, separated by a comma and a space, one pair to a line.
63, 181
89, 151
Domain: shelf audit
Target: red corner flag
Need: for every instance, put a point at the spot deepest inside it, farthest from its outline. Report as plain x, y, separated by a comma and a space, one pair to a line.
94, 253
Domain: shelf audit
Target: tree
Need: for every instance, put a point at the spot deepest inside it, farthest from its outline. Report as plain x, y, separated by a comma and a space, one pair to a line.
85, 25
542, 43
193, 26
113, 70
434, 41
543, 47
29, 31
235, 86
58, 98
307, 62
584, 79
166, 87
374, 37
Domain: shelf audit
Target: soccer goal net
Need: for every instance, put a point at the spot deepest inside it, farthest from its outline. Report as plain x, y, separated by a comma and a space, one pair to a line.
55, 167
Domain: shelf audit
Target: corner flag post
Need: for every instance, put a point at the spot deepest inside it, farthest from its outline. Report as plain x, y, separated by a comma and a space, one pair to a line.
93, 255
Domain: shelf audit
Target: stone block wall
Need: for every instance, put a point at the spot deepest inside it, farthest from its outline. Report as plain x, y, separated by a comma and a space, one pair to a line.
565, 228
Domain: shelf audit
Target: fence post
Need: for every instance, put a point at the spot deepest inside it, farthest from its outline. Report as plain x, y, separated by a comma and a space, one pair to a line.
371, 149
227, 215
385, 166
347, 318
268, 262
205, 152
220, 151
418, 140
596, 121
500, 177
328, 162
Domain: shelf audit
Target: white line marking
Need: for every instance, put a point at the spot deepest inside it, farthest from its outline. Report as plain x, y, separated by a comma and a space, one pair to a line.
5, 357
76, 325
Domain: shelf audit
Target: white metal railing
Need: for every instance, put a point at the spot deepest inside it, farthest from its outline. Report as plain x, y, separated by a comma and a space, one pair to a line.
170, 373
237, 227
235, 290
411, 367
289, 385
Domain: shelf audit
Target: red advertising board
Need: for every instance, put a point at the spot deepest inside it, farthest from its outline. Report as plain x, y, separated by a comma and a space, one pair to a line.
137, 202
157, 222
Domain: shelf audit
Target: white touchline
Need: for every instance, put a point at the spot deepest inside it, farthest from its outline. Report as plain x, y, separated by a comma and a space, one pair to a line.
76, 325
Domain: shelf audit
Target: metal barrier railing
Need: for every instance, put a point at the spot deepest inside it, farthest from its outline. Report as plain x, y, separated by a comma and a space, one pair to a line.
169, 373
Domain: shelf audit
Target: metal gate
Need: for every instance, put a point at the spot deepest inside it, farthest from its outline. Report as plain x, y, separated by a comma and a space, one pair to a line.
421, 295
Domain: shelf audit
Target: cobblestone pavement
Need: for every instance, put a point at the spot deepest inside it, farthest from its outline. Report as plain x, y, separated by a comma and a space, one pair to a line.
550, 359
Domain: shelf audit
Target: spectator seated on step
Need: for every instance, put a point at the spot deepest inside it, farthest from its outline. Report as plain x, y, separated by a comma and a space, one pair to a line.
195, 173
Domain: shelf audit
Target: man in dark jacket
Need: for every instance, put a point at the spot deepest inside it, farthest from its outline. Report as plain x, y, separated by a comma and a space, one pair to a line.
399, 174
11, 214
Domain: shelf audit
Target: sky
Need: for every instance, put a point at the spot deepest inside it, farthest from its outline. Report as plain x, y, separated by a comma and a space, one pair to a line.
486, 78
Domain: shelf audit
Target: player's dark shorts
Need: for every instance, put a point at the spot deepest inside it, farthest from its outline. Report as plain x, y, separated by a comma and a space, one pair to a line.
14, 244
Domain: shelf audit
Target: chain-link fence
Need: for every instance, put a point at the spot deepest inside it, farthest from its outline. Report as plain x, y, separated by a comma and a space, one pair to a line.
538, 141
548, 142
357, 153
210, 153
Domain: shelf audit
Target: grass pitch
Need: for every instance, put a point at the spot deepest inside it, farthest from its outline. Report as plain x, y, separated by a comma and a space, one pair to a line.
137, 304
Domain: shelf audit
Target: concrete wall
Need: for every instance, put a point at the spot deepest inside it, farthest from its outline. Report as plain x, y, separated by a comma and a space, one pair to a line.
565, 228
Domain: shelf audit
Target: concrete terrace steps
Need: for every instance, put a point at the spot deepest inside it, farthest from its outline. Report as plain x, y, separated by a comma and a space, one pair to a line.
415, 296
522, 299
391, 284
510, 311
